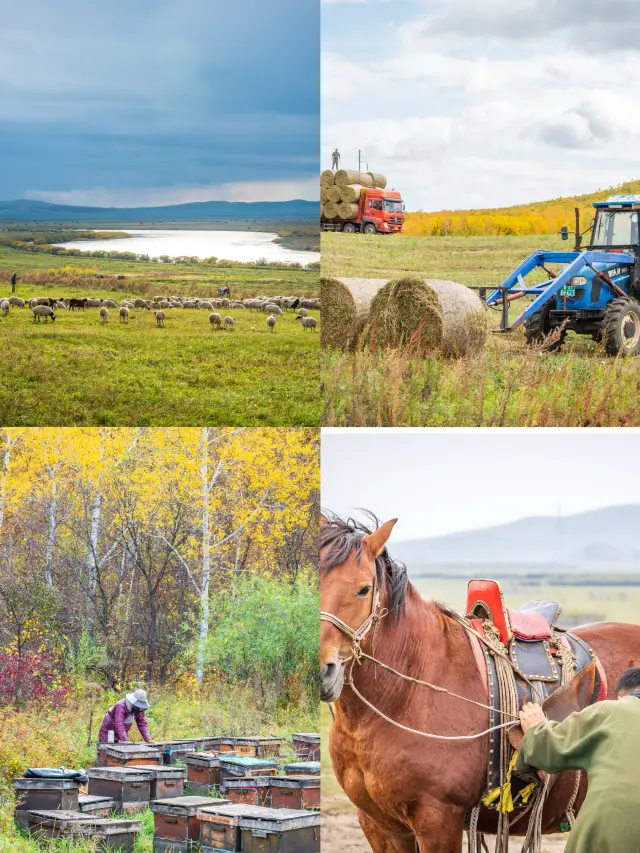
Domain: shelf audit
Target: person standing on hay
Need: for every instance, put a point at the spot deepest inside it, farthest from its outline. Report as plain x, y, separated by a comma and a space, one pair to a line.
603, 741
121, 716
335, 159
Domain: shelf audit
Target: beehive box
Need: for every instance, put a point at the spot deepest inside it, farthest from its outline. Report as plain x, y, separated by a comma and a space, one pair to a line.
220, 828
166, 781
295, 792
131, 755
174, 751
130, 787
176, 822
47, 794
258, 747
307, 745
98, 806
222, 744
250, 790
302, 768
235, 766
203, 772
280, 831
104, 832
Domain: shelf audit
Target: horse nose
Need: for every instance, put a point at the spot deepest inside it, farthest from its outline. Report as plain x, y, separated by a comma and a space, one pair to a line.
328, 673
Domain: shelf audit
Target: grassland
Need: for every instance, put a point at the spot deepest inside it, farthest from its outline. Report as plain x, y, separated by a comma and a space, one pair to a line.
509, 384
79, 372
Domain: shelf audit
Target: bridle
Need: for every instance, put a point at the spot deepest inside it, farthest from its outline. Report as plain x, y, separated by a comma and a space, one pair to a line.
357, 635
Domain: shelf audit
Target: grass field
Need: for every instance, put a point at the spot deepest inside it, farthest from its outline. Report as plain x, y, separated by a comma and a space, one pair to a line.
79, 372
509, 384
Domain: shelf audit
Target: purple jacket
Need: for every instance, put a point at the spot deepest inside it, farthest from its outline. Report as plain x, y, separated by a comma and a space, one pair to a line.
115, 721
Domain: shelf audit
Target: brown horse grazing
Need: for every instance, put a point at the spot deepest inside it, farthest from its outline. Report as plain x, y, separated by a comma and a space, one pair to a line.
412, 793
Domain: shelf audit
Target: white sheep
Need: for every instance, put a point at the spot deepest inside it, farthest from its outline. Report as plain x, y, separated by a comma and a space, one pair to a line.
4, 307
302, 312
109, 303
308, 322
206, 305
104, 314
43, 311
271, 322
228, 323
124, 314
93, 303
160, 318
215, 319
15, 300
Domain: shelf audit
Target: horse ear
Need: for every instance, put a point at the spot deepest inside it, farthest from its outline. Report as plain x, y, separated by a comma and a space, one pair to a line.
375, 542
324, 521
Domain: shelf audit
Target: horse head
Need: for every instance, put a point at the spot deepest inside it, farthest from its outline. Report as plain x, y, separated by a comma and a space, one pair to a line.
352, 577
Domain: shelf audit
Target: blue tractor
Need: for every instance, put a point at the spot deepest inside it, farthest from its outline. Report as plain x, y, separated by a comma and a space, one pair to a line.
596, 292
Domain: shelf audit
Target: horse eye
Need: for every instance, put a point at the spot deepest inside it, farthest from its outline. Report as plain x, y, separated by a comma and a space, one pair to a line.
364, 591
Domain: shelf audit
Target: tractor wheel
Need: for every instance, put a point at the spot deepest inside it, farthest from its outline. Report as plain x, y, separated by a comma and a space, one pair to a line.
538, 327
621, 331
370, 228
348, 228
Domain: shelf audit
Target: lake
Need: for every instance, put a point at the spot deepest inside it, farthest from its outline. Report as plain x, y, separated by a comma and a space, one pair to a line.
246, 246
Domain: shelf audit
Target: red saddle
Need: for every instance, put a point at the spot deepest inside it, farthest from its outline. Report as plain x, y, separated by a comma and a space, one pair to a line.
534, 621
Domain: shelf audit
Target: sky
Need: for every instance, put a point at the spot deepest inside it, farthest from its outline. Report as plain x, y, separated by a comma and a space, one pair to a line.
134, 102
467, 104
437, 482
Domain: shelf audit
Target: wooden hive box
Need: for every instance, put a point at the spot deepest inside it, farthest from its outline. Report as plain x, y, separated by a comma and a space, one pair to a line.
279, 831
177, 824
203, 772
174, 751
98, 806
222, 744
220, 828
307, 745
167, 781
105, 833
302, 768
47, 794
235, 766
295, 792
131, 754
250, 790
258, 747
129, 787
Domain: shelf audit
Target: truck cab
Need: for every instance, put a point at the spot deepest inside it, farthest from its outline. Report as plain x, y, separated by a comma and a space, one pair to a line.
381, 211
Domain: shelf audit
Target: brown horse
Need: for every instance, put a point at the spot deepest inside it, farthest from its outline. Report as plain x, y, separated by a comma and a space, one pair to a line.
412, 793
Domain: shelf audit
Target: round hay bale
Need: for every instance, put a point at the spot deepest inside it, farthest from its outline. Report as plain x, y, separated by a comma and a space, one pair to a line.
331, 210
345, 308
334, 194
427, 315
379, 180
327, 178
323, 195
349, 176
347, 210
350, 192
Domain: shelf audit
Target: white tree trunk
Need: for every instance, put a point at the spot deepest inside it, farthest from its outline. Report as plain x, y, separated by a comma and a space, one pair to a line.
203, 631
4, 473
51, 517
94, 533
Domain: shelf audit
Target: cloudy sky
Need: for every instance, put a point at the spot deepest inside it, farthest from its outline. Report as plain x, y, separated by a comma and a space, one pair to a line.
443, 481
468, 104
159, 102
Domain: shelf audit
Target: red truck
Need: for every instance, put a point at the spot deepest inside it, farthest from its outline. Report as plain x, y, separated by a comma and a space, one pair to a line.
379, 212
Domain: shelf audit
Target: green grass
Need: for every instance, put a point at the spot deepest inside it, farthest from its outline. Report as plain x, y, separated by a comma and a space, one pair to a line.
79, 372
509, 384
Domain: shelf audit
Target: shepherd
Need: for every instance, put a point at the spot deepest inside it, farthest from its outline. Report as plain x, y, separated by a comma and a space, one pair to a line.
121, 716
14, 279
602, 740
335, 159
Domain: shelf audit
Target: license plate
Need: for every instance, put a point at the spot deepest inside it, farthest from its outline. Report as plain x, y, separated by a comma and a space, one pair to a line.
568, 290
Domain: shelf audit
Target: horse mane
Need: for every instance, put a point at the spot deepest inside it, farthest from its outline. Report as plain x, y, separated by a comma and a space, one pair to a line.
342, 536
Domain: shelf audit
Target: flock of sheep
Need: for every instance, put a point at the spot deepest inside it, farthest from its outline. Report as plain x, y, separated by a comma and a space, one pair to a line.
44, 307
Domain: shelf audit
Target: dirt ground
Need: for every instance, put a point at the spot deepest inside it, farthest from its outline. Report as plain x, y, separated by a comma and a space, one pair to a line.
341, 831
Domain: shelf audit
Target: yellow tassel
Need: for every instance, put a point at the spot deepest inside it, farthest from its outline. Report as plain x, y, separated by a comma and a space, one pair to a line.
491, 797
525, 793
506, 800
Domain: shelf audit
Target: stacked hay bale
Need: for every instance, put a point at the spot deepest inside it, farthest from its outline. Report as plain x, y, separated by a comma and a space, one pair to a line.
421, 315
340, 191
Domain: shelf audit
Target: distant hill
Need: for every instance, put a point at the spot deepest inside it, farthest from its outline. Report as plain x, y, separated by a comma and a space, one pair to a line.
601, 539
24, 210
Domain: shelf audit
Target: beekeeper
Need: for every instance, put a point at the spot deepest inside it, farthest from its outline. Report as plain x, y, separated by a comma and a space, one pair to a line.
121, 716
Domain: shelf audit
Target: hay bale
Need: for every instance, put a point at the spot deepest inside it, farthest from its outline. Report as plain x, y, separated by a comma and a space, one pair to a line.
427, 315
327, 178
347, 210
331, 210
345, 308
350, 192
334, 194
379, 180
323, 195
349, 176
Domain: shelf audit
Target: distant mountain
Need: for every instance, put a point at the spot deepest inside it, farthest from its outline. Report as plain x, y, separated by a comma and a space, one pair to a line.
41, 211
600, 539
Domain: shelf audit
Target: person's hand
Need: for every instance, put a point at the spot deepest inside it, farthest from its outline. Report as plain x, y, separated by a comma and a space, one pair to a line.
530, 715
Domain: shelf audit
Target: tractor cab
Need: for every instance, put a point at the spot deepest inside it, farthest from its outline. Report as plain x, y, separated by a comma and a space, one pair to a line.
615, 227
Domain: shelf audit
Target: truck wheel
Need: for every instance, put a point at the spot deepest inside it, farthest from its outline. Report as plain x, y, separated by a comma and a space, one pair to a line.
538, 327
370, 228
348, 228
621, 330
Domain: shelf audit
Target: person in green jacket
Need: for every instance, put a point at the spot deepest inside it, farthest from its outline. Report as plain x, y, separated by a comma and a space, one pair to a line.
603, 740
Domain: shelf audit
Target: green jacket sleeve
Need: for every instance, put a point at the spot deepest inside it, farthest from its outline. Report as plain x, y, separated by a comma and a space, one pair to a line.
561, 746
